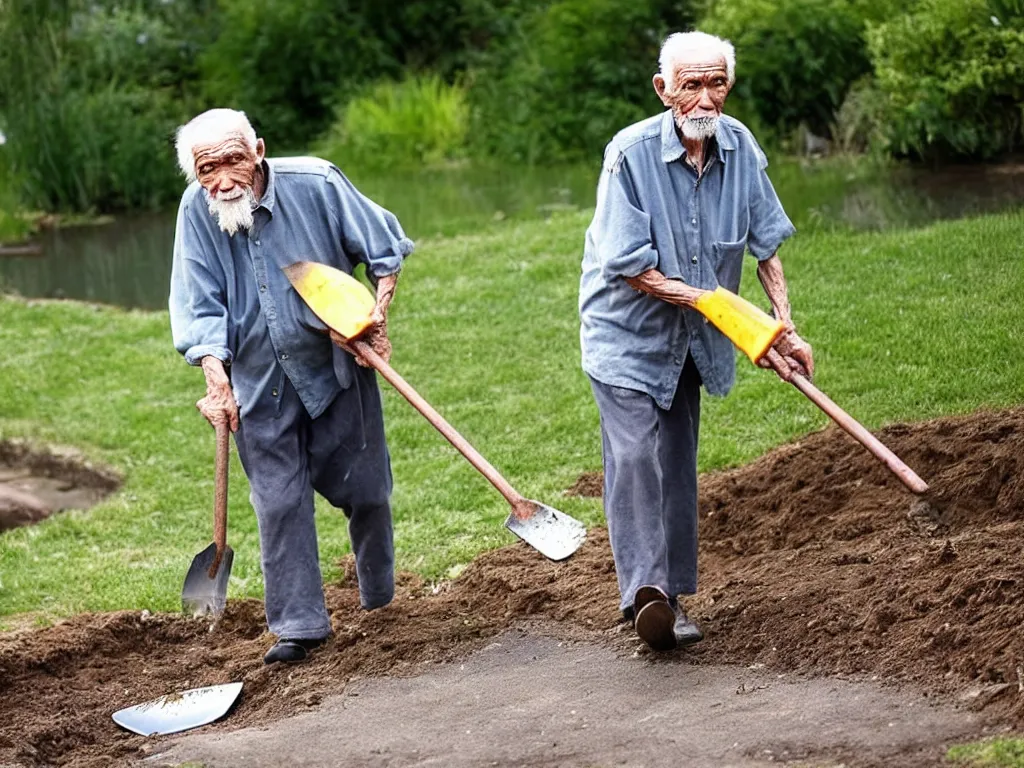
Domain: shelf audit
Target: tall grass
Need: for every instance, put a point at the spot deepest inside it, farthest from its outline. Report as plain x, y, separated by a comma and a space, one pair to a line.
90, 105
420, 121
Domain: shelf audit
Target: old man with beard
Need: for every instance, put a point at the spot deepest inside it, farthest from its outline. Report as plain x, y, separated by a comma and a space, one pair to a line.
681, 197
305, 417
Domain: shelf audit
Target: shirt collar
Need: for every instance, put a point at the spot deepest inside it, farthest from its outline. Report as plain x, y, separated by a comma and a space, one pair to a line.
672, 148
269, 196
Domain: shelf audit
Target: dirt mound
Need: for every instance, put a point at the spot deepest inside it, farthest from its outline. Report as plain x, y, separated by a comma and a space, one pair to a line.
813, 559
35, 484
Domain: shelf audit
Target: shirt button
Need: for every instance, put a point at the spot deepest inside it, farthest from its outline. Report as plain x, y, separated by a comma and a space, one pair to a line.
677, 361
693, 259
693, 221
284, 356
257, 242
274, 392
263, 289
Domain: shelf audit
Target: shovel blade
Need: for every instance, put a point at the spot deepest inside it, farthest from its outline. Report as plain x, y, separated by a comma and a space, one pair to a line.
179, 711
552, 533
203, 595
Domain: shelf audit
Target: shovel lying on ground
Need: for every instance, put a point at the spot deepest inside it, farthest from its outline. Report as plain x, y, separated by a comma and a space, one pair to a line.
754, 332
177, 712
206, 585
344, 305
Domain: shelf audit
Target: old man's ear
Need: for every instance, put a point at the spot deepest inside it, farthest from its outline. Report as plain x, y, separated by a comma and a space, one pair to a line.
661, 88
261, 150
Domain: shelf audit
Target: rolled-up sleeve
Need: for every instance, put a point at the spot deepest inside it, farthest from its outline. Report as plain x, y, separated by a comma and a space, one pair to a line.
770, 227
623, 230
198, 306
370, 233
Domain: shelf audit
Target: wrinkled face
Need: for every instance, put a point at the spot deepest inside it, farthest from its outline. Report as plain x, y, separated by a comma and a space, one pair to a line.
227, 171
700, 85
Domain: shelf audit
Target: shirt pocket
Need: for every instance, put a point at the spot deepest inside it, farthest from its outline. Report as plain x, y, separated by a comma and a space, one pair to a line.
729, 262
726, 250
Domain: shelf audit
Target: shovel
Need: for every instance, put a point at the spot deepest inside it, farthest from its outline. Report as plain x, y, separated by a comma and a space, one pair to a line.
754, 332
344, 304
178, 712
206, 585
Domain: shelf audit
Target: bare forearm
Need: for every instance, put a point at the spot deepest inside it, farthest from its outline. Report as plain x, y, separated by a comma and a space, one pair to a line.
214, 371
769, 272
656, 284
385, 293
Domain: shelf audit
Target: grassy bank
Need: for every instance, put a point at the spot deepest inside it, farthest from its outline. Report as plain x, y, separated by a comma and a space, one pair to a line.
906, 325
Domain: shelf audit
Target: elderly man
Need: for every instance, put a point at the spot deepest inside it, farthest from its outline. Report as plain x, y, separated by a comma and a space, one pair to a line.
682, 195
305, 418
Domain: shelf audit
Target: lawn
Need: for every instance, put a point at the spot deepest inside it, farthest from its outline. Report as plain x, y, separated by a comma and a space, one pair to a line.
906, 325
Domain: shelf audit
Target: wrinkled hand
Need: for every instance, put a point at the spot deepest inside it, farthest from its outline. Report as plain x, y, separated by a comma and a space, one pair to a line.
376, 336
219, 406
795, 353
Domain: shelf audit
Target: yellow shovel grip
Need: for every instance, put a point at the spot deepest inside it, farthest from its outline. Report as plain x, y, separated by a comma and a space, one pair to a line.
746, 326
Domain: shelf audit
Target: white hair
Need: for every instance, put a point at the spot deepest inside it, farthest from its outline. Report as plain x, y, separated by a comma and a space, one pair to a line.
211, 127
684, 44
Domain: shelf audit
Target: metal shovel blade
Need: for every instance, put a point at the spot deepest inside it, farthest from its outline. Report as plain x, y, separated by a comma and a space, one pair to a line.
552, 533
203, 594
179, 711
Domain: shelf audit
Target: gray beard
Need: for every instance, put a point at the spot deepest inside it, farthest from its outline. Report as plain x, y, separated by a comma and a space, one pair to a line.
234, 215
697, 127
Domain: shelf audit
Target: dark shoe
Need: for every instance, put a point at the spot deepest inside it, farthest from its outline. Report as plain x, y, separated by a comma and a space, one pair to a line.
686, 630
289, 651
646, 594
655, 618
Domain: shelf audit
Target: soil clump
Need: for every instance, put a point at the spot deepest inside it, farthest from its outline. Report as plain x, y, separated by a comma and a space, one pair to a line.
35, 484
813, 559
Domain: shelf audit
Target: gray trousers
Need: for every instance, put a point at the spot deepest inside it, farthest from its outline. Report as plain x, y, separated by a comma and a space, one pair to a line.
650, 485
343, 456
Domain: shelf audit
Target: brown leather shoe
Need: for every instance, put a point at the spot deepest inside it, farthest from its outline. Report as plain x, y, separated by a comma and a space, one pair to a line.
655, 619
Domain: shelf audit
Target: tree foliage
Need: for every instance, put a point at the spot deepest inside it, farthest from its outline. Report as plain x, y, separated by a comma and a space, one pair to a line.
952, 74
572, 74
795, 59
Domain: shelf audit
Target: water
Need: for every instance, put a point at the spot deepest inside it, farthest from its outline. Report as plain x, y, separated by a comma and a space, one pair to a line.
127, 262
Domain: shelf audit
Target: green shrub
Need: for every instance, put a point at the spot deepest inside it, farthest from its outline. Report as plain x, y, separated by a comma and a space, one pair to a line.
92, 95
570, 76
795, 59
419, 121
952, 74
286, 63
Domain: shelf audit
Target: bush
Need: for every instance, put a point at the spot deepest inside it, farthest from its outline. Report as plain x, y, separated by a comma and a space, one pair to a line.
795, 59
92, 95
952, 76
570, 76
286, 64
417, 122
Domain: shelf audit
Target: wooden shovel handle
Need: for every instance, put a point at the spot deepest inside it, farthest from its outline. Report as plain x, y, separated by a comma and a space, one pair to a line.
220, 498
481, 464
853, 427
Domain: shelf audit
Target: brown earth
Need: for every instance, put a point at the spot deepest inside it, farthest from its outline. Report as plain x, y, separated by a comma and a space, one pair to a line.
35, 484
814, 559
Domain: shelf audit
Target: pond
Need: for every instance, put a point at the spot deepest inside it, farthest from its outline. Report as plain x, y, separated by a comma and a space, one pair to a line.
127, 262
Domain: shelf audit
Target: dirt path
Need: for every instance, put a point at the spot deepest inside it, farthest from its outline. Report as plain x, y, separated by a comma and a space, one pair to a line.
526, 700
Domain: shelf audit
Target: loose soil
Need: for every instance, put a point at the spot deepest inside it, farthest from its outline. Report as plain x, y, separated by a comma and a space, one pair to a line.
813, 559
35, 484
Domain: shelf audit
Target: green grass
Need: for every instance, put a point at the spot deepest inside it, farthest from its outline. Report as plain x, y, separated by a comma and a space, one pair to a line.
991, 753
907, 325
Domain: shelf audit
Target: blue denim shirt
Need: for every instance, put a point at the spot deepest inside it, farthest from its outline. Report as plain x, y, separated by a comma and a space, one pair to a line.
230, 299
653, 213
